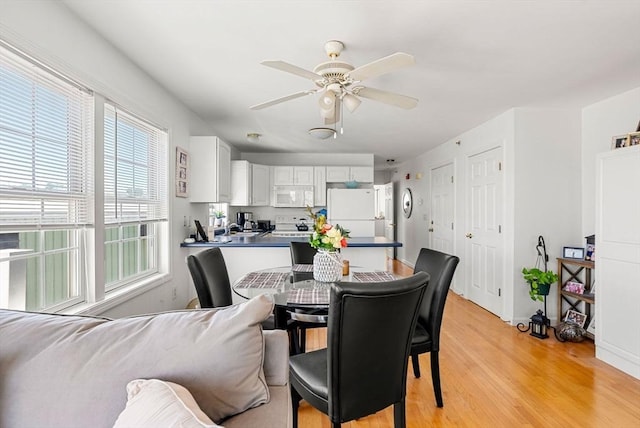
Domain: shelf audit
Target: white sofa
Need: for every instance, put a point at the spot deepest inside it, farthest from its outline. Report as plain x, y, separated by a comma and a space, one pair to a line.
73, 371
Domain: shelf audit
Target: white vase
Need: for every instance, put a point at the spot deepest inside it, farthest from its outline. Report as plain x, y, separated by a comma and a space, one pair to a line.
327, 266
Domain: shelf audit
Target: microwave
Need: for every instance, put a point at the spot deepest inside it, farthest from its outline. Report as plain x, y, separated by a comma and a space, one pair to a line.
292, 196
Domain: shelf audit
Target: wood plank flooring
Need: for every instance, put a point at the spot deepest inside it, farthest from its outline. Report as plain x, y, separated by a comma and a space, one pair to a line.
494, 376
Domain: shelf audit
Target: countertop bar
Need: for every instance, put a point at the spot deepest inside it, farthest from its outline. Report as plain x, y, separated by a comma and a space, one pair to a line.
266, 240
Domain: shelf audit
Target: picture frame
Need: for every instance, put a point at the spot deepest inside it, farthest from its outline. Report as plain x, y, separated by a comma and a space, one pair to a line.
575, 317
634, 139
573, 252
182, 173
619, 141
591, 252
591, 328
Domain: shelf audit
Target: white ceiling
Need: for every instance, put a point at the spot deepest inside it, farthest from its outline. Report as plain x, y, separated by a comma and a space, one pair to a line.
474, 60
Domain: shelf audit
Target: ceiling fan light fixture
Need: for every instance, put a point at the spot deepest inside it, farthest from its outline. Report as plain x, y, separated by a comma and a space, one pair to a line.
322, 133
351, 102
253, 137
327, 100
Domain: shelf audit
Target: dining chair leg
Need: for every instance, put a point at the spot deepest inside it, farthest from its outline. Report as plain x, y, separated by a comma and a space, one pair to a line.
435, 377
416, 365
295, 404
336, 424
303, 339
399, 415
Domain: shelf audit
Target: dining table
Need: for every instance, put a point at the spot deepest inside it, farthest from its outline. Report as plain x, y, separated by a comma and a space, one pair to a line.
293, 287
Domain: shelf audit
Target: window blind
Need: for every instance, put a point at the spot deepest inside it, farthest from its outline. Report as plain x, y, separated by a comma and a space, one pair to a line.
135, 169
46, 147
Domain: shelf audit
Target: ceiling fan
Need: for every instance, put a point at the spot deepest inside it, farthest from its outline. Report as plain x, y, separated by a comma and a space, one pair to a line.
339, 82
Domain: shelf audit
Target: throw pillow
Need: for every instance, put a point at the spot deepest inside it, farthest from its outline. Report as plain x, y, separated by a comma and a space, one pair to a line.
154, 403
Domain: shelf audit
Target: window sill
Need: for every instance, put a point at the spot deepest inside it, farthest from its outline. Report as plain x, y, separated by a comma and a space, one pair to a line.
118, 296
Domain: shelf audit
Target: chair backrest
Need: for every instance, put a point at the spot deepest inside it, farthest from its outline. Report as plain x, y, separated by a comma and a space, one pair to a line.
210, 276
301, 252
440, 267
368, 342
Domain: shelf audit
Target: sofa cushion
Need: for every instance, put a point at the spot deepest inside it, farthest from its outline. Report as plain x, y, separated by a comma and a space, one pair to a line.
153, 403
72, 371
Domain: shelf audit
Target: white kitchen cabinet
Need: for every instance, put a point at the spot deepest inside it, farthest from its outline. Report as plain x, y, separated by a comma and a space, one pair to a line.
617, 258
260, 185
282, 175
362, 174
303, 175
210, 170
296, 175
340, 174
337, 174
319, 186
240, 183
249, 184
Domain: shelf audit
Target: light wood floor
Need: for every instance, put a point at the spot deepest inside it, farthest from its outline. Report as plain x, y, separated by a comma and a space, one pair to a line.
494, 376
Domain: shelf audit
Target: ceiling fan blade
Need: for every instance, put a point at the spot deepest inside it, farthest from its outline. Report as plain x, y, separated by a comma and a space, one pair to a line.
381, 66
293, 69
391, 98
282, 99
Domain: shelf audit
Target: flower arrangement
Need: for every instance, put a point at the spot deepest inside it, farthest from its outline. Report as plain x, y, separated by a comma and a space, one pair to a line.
326, 236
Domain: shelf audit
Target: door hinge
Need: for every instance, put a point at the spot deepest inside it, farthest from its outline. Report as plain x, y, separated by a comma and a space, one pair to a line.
452, 178
499, 166
499, 292
499, 228
451, 226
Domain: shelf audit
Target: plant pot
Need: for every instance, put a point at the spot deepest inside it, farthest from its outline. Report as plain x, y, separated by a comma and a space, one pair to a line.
327, 266
543, 289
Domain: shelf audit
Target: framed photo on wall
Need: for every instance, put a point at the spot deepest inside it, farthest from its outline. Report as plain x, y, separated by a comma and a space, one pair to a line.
620, 141
182, 173
634, 139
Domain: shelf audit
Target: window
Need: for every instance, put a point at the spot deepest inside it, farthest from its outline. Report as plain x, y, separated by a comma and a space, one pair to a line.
135, 203
46, 184
47, 202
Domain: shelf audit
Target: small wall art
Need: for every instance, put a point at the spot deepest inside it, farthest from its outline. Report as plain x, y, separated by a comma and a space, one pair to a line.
182, 173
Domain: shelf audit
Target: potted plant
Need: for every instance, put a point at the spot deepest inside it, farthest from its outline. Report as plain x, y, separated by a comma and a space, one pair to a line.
539, 282
219, 216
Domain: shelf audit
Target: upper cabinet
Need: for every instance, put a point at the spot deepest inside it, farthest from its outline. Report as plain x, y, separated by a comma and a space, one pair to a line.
298, 175
249, 184
260, 185
210, 170
340, 174
319, 186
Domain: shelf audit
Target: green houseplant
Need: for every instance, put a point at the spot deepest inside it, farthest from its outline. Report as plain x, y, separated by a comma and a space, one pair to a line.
539, 282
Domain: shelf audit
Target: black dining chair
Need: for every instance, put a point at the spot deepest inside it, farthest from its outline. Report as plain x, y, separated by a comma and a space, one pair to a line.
363, 369
211, 279
303, 253
440, 267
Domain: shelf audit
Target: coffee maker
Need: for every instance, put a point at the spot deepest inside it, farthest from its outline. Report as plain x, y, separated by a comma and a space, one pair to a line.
244, 220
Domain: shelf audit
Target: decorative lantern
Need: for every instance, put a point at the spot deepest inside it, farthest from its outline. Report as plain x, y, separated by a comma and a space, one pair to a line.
539, 325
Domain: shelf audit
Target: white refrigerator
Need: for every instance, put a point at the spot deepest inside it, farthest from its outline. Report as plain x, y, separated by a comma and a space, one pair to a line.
353, 209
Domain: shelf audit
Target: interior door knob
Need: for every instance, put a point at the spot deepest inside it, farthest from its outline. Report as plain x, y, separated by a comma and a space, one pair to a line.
431, 229
469, 235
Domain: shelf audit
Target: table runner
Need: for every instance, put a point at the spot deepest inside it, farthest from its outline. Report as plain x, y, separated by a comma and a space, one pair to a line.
263, 280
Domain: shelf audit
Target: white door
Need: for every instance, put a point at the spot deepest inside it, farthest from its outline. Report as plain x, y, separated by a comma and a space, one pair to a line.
484, 249
442, 197
389, 218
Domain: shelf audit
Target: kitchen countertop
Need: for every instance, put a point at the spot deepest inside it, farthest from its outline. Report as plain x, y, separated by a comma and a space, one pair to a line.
266, 240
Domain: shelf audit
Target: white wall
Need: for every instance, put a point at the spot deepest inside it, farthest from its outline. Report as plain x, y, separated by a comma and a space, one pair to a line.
541, 193
48, 31
600, 122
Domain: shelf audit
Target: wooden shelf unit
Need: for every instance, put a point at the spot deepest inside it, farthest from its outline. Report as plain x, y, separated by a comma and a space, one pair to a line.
580, 271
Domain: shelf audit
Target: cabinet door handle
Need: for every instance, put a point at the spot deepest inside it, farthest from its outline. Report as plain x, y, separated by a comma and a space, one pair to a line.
469, 235
431, 229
